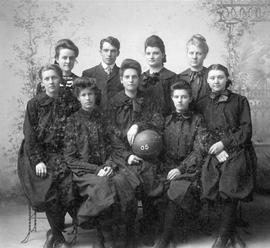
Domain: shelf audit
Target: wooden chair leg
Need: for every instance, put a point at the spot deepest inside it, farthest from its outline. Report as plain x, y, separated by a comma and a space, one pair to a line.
75, 233
30, 229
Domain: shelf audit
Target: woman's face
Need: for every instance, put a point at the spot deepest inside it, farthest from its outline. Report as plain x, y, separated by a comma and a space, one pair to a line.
66, 60
130, 80
51, 82
181, 100
217, 80
154, 56
195, 56
87, 98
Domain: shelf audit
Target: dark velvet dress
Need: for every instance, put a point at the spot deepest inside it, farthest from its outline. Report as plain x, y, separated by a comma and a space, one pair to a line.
66, 89
87, 150
44, 125
198, 83
227, 118
184, 140
158, 85
147, 115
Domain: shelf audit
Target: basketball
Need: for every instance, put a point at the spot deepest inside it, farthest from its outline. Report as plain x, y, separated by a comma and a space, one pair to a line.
147, 144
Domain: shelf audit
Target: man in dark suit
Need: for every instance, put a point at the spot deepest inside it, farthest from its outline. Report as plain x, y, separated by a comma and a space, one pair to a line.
106, 73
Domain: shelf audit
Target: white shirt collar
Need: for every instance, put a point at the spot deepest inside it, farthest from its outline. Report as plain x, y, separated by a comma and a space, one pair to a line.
105, 65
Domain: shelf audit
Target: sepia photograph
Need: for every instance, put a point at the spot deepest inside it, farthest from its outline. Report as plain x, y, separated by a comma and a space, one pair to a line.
135, 124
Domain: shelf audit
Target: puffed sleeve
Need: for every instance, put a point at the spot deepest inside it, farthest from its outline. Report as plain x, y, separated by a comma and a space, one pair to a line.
71, 153
34, 147
242, 134
192, 163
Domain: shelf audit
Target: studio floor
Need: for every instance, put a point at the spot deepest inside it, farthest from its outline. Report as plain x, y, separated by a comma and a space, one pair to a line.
14, 226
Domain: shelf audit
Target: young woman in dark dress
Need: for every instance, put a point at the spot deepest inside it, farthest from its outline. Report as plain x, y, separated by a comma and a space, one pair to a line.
66, 53
195, 75
157, 79
229, 171
45, 177
89, 154
184, 137
134, 111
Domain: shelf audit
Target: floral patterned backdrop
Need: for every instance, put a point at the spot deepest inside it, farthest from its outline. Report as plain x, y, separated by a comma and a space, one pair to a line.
237, 32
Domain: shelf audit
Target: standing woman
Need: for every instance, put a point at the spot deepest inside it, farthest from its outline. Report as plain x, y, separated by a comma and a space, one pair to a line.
195, 75
66, 53
157, 79
229, 171
44, 176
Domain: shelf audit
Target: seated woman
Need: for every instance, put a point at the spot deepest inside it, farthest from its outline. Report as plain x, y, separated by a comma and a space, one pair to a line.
46, 180
229, 170
134, 111
88, 153
182, 157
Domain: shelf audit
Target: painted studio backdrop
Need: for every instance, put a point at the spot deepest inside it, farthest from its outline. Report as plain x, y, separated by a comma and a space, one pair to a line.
238, 34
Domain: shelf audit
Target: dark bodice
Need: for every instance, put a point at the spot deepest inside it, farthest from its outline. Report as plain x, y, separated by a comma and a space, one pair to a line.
140, 110
45, 121
184, 137
158, 85
227, 118
197, 81
86, 140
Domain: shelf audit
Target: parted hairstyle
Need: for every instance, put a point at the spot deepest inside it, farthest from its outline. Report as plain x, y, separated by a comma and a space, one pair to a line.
199, 41
111, 40
181, 85
220, 68
130, 64
52, 67
156, 41
85, 82
65, 43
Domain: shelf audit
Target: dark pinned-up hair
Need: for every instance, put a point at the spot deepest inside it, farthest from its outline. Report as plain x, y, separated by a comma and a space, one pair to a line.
199, 41
130, 64
220, 68
111, 40
156, 41
181, 85
65, 43
85, 82
52, 67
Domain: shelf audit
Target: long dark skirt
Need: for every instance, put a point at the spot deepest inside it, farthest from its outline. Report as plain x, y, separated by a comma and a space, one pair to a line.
97, 194
186, 194
50, 193
235, 178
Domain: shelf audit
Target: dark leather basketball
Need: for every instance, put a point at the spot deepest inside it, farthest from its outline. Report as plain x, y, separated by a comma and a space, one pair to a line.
147, 144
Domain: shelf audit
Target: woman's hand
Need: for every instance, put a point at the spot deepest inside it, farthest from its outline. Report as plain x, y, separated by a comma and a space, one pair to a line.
41, 170
106, 171
132, 132
133, 159
222, 156
216, 148
173, 173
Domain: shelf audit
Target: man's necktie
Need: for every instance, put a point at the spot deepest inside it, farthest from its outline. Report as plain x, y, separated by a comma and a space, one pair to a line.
108, 70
